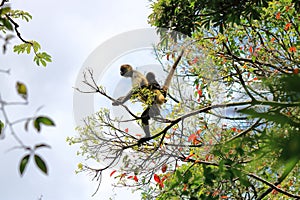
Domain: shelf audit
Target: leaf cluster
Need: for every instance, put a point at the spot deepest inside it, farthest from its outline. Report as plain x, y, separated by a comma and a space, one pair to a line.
187, 17
9, 27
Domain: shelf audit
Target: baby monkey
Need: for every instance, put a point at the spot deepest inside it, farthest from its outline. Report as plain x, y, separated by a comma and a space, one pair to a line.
154, 86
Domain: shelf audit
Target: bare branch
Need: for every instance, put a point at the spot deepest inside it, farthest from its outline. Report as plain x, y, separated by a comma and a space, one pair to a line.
5, 71
96, 89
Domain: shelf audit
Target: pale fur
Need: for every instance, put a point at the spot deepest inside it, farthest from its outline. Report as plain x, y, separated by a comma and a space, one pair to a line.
138, 79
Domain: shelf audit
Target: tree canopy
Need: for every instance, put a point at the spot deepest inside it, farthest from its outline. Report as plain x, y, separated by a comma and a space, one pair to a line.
233, 132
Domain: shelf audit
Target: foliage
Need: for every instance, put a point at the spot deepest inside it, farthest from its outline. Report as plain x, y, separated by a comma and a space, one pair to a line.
258, 60
8, 26
234, 131
189, 16
9, 30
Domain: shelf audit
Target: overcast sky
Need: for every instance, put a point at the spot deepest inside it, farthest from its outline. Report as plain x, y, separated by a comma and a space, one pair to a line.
69, 31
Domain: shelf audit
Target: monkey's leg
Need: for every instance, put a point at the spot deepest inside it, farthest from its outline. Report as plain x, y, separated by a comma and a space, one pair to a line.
154, 110
145, 121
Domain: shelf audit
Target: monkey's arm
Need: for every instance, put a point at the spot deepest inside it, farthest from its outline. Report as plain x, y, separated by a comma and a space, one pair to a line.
123, 99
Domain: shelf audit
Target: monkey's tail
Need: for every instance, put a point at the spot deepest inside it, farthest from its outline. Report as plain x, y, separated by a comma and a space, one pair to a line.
171, 73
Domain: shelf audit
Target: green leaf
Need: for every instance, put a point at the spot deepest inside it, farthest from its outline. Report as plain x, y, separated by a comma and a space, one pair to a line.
37, 125
36, 46
42, 58
288, 168
244, 181
7, 24
23, 163
45, 120
5, 10
22, 90
22, 48
28, 49
40, 163
42, 120
44, 63
187, 176
1, 127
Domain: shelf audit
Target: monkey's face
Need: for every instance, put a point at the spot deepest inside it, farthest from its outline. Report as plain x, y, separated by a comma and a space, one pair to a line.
126, 70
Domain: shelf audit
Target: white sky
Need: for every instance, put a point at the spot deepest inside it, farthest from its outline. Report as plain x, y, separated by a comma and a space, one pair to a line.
69, 31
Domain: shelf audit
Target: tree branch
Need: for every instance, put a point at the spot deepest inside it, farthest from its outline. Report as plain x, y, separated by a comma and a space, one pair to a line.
3, 2
244, 132
5, 71
273, 187
16, 27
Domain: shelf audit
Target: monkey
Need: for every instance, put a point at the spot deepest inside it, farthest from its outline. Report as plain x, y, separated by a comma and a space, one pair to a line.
139, 81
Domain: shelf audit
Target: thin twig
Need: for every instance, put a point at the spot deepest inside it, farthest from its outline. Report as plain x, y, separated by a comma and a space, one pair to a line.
16, 27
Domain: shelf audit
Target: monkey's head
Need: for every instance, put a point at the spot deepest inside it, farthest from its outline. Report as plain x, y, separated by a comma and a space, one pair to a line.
150, 76
126, 70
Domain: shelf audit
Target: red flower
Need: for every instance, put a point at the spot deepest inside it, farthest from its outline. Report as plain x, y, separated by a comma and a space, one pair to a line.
112, 173
278, 15
164, 168
224, 197
292, 49
195, 60
184, 187
251, 49
161, 184
156, 178
287, 26
159, 181
200, 92
272, 39
193, 138
188, 157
